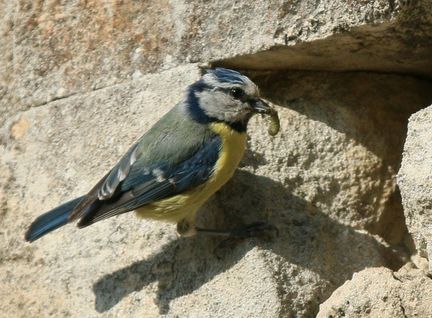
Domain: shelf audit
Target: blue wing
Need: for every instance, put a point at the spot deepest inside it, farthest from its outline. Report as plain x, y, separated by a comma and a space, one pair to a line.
144, 184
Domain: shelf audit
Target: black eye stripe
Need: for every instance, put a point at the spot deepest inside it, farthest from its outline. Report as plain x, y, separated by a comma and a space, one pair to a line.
236, 92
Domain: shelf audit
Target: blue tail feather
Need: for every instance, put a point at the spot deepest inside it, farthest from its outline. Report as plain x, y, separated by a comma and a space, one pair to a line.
51, 220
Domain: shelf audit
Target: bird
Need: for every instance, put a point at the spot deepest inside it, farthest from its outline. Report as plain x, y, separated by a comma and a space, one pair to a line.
177, 165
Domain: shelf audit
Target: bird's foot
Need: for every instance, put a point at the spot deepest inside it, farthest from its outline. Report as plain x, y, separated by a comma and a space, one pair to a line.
258, 229
261, 230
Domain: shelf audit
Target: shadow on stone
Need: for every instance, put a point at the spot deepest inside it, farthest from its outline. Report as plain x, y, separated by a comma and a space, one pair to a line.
370, 111
308, 238
371, 108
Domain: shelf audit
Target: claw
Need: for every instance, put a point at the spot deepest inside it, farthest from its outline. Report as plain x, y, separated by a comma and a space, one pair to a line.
261, 230
258, 229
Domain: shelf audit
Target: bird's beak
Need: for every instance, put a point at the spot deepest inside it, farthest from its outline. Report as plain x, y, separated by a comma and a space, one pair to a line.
259, 106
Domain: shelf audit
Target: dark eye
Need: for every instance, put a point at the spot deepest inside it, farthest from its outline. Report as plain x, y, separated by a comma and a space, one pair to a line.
237, 93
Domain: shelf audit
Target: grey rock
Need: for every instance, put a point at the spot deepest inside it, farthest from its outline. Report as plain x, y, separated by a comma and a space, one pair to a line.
128, 267
9, 104
341, 143
378, 292
380, 36
57, 50
415, 181
80, 81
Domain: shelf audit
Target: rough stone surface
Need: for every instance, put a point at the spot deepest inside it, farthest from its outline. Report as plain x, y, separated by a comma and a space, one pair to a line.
342, 144
380, 293
415, 181
50, 50
382, 36
131, 267
80, 81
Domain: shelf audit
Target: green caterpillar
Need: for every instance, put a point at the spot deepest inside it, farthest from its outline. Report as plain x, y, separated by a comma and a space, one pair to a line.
274, 124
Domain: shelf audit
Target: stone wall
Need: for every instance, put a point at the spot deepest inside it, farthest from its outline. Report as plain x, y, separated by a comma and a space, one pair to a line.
80, 81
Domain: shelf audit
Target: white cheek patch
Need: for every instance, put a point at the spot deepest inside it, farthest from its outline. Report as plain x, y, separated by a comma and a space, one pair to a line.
214, 103
250, 88
219, 105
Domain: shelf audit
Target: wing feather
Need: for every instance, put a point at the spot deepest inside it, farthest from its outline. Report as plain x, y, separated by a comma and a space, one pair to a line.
117, 174
147, 184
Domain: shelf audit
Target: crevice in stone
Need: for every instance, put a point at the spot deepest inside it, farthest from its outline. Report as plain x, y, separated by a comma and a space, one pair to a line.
55, 99
385, 47
380, 127
91, 90
374, 119
402, 308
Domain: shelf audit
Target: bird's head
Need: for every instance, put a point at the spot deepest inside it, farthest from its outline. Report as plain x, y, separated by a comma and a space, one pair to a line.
223, 95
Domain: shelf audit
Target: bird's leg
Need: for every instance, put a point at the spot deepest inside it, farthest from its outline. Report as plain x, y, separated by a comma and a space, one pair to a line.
232, 237
257, 229
263, 230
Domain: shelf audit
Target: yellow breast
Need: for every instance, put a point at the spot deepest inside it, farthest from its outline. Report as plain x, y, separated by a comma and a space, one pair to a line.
186, 204
233, 147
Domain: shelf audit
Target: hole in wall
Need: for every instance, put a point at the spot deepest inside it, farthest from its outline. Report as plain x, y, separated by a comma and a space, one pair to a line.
366, 115
347, 131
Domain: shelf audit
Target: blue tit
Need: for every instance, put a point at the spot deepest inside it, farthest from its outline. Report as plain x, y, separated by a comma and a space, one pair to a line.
189, 154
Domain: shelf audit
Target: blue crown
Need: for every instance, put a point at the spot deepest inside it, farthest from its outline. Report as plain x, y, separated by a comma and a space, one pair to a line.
224, 75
